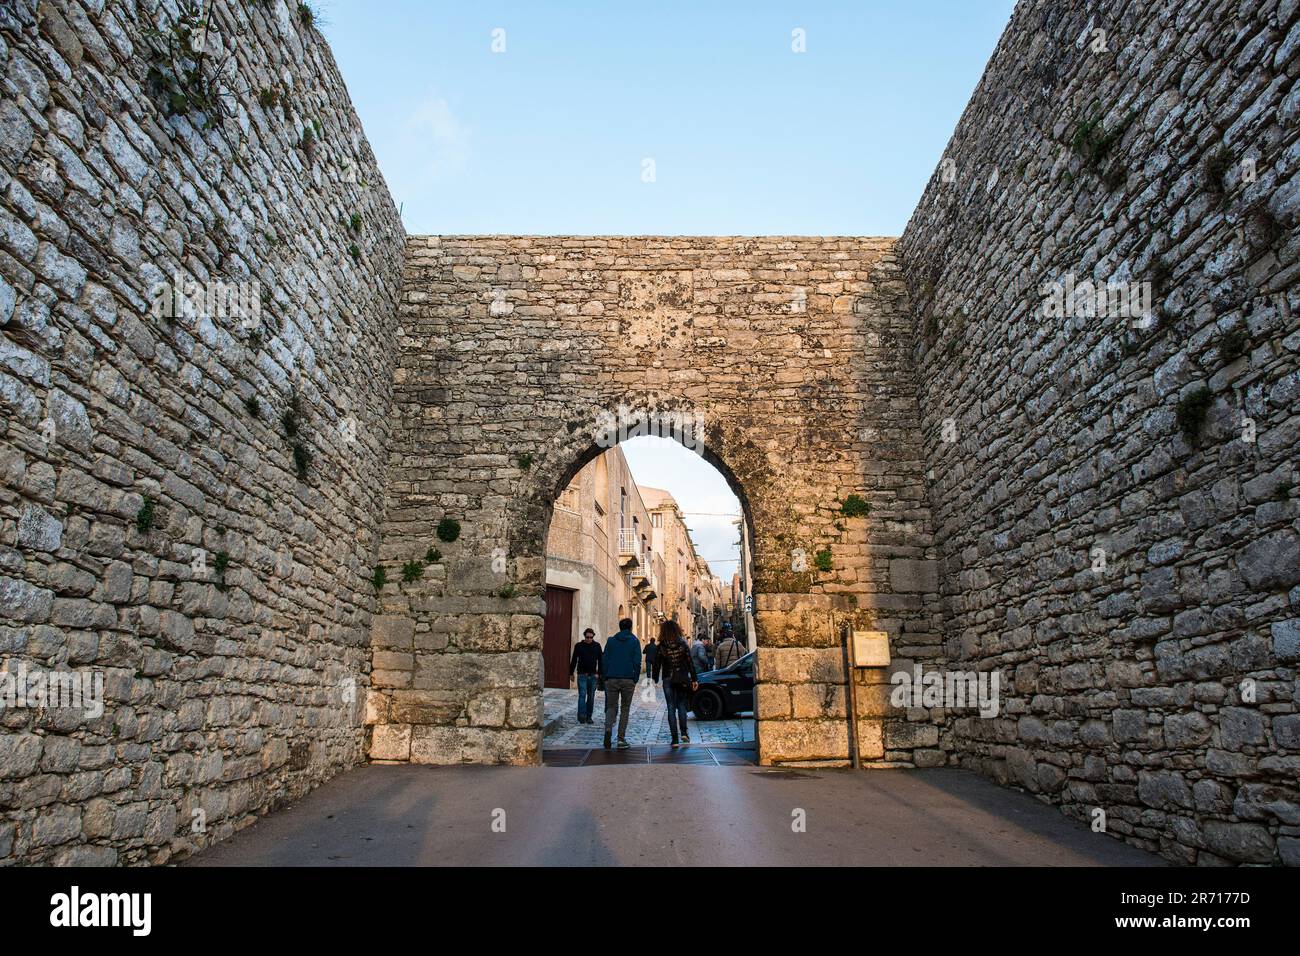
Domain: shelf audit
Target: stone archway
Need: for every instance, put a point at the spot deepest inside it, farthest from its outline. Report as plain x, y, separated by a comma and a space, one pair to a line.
513, 353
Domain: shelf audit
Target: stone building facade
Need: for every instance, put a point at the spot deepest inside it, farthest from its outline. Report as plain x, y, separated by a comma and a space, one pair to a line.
1114, 497
196, 506
154, 526
598, 549
683, 567
794, 356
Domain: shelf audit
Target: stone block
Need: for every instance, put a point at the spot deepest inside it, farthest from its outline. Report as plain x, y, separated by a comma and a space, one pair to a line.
789, 665
391, 742
1239, 842
392, 632
911, 576
455, 745
906, 734
784, 741
814, 701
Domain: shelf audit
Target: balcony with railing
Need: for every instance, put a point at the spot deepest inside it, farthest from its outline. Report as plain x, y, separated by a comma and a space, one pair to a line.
629, 548
647, 584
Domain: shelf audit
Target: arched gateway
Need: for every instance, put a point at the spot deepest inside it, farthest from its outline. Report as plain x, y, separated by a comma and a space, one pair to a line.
515, 357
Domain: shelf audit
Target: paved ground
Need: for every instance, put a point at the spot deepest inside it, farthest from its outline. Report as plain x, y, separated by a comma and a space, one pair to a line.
696, 755
665, 815
648, 723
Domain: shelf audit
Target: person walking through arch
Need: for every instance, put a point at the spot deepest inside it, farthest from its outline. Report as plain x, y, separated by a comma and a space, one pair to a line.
699, 654
586, 662
730, 649
675, 665
651, 652
620, 669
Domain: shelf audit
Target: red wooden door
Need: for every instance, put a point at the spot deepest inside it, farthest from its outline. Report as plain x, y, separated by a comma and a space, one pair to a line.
557, 637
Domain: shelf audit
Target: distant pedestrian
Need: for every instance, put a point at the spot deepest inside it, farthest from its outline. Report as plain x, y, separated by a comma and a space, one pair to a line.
674, 664
729, 650
651, 652
700, 654
620, 669
586, 662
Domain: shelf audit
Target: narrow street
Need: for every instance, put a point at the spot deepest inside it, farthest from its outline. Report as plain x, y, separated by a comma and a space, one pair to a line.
666, 815
647, 725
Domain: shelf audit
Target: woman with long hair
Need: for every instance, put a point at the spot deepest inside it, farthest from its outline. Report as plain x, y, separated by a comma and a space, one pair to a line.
674, 662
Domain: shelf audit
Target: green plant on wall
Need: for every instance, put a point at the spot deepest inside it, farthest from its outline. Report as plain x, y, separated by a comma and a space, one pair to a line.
290, 417
432, 556
930, 330
524, 461
448, 529
1092, 142
822, 560
1217, 165
221, 564
1192, 411
855, 506
412, 571
379, 577
1233, 342
180, 71
301, 460
507, 592
144, 518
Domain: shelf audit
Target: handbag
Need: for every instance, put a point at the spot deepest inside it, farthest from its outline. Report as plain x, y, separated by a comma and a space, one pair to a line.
681, 675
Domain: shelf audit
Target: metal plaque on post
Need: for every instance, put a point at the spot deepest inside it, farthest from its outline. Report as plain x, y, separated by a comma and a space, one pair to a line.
870, 648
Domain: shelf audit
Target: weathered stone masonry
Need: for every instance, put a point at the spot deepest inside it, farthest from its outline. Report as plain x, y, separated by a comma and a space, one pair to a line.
225, 701
796, 353
1128, 688
461, 379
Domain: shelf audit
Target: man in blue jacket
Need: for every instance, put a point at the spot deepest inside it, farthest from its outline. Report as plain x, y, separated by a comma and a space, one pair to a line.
620, 669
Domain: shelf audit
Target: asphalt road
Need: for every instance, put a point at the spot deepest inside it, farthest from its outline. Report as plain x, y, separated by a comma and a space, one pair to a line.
666, 815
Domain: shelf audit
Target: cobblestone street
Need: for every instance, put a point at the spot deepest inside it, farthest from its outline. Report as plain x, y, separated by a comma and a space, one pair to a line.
648, 723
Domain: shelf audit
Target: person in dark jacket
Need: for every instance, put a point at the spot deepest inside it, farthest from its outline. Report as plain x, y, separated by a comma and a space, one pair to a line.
651, 652
700, 654
730, 649
674, 664
620, 669
586, 662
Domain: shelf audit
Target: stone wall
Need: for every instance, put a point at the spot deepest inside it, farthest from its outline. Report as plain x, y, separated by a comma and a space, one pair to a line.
153, 527
1130, 568
796, 354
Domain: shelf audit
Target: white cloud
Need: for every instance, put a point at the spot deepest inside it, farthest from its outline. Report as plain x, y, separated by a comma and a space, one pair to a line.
437, 138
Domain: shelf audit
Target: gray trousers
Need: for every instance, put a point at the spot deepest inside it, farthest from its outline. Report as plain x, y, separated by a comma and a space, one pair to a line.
616, 689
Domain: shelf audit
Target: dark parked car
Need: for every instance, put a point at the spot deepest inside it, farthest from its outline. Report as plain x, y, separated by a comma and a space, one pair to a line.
726, 691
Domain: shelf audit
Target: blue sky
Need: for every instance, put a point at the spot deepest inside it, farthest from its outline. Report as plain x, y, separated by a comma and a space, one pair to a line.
747, 136
701, 492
